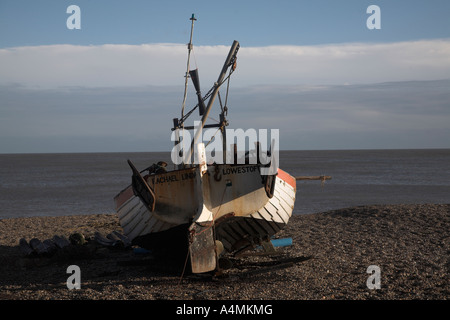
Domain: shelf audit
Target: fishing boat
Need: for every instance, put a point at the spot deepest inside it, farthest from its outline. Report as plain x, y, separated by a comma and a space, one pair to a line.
206, 208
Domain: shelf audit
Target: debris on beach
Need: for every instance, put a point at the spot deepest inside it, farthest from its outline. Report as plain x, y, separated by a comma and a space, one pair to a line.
77, 245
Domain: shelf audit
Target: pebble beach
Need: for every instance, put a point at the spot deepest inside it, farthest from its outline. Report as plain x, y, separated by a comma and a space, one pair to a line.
331, 258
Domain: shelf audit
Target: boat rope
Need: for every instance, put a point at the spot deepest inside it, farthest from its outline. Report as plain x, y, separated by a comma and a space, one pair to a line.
184, 268
228, 84
220, 101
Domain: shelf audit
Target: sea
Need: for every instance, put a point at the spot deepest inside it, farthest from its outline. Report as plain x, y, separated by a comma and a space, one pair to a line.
86, 183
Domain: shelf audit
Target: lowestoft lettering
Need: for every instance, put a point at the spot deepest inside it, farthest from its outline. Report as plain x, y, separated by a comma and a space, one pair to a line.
239, 170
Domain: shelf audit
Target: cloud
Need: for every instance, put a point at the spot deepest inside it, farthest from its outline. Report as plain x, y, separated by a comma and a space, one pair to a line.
66, 98
412, 114
86, 119
349, 63
93, 66
164, 64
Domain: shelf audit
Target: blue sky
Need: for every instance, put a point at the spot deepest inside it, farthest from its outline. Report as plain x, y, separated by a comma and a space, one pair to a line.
255, 23
101, 87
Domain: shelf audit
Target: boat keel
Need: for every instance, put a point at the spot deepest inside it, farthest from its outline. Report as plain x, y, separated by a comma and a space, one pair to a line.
202, 247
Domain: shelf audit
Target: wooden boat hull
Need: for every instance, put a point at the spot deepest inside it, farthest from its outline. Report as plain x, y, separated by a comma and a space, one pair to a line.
237, 233
228, 203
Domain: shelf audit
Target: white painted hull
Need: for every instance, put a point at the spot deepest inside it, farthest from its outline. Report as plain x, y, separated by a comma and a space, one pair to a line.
217, 203
236, 233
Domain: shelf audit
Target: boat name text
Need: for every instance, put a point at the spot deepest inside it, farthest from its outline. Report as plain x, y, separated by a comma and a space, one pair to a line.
239, 170
173, 178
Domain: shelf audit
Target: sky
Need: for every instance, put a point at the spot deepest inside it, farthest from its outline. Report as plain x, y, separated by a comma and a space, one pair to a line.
316, 70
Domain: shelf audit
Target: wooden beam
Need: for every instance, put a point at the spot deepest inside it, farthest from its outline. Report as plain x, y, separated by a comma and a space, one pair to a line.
323, 178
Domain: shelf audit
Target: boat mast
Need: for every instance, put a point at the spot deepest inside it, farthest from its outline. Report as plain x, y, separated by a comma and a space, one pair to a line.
190, 46
203, 110
228, 62
186, 76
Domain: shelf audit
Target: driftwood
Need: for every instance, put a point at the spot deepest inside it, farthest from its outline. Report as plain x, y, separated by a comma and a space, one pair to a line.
104, 241
126, 241
25, 247
60, 245
60, 242
50, 246
113, 237
38, 246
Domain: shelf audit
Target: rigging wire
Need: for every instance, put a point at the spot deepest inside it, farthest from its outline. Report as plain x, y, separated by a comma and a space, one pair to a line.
207, 95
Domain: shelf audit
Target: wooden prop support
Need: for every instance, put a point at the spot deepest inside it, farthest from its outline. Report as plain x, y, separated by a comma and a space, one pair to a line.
323, 178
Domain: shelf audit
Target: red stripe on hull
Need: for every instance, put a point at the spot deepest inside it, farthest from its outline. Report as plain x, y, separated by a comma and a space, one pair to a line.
283, 175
